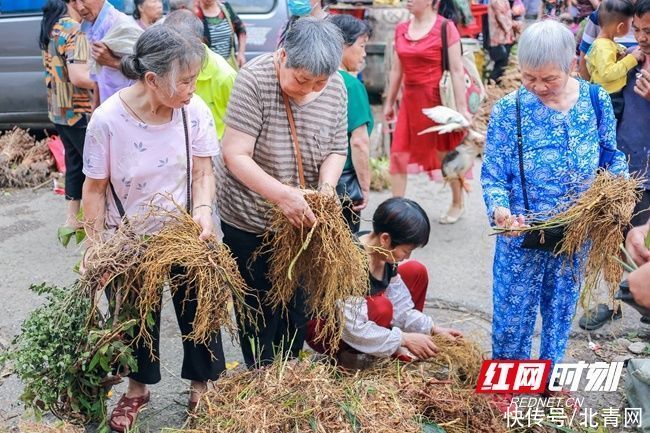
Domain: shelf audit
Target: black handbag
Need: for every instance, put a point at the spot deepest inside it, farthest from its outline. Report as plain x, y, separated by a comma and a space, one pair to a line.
549, 239
349, 186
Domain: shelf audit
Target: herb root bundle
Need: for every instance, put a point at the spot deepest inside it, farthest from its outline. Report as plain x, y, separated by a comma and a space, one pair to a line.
325, 262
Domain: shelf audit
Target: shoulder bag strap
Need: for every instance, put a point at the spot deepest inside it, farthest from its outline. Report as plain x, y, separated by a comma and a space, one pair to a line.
292, 125
445, 48
118, 202
606, 155
188, 206
520, 148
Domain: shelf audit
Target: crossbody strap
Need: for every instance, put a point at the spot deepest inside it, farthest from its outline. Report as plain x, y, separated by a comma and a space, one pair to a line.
445, 47
116, 198
292, 125
520, 148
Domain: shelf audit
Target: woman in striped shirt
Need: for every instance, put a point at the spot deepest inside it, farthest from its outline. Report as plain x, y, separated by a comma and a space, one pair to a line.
221, 24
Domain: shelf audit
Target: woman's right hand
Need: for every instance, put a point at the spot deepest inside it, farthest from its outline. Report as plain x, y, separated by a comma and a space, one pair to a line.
420, 345
504, 219
635, 244
389, 112
294, 206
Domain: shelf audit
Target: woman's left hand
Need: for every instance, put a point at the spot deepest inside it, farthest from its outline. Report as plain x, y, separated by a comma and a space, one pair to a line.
450, 333
203, 217
241, 59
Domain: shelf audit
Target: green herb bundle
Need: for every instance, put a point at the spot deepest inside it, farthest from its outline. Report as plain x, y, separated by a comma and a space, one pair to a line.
65, 351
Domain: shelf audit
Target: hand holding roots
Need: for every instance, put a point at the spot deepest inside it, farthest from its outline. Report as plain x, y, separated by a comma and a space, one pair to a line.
324, 261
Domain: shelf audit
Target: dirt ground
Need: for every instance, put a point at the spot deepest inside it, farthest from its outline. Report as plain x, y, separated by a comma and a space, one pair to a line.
459, 259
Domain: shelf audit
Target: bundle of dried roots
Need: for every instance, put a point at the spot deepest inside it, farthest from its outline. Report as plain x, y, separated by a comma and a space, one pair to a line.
325, 262
207, 267
137, 268
461, 359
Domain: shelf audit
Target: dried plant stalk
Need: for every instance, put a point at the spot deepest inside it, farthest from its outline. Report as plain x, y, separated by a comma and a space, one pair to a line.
325, 261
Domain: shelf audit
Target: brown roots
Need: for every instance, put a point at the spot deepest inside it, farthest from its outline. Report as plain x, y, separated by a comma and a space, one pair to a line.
462, 359
206, 266
301, 396
137, 268
24, 161
595, 221
324, 261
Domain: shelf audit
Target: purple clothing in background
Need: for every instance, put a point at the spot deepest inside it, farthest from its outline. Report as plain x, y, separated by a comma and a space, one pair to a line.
109, 80
634, 128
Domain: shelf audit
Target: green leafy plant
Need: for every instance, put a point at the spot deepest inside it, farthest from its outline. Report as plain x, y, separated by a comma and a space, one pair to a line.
65, 351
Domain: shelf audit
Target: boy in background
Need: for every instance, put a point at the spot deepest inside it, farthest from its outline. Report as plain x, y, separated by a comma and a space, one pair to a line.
607, 61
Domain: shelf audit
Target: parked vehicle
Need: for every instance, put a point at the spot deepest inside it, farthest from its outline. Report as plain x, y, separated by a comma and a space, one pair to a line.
23, 99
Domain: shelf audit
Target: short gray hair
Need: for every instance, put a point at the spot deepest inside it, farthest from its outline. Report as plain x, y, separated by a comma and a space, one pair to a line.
315, 45
544, 43
163, 51
175, 5
185, 23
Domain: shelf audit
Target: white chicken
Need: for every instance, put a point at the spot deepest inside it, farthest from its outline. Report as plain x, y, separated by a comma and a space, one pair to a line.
457, 162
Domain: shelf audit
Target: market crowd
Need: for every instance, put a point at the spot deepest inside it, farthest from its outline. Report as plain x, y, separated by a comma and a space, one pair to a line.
150, 104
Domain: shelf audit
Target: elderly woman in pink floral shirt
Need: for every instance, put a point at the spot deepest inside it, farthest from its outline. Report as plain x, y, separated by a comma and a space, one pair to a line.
155, 137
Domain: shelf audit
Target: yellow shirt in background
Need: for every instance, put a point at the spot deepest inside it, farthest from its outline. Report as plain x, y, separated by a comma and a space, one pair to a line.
604, 66
214, 84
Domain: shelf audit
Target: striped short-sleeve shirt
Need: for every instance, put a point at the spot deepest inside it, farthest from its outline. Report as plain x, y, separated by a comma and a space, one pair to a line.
256, 108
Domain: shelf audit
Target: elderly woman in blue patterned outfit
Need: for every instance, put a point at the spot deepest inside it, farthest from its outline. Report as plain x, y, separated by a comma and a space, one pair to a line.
568, 131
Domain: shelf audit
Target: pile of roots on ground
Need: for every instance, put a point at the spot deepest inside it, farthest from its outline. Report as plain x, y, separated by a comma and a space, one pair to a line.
136, 270
595, 222
324, 261
24, 161
315, 396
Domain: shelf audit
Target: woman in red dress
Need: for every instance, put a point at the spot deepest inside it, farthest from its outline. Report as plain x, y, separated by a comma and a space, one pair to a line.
418, 43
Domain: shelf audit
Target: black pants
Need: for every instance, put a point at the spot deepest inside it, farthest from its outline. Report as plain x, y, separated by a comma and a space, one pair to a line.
278, 332
200, 362
500, 55
73, 138
642, 210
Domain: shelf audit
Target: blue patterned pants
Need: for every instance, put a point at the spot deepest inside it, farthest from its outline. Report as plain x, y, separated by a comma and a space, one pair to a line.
525, 281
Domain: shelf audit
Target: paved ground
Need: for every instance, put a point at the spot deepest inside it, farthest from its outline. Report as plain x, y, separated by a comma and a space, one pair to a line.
458, 258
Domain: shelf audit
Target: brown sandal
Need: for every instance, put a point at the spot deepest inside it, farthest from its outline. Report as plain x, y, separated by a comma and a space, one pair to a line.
128, 408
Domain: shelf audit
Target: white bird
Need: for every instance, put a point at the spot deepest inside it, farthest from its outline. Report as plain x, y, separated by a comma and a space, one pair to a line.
447, 120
